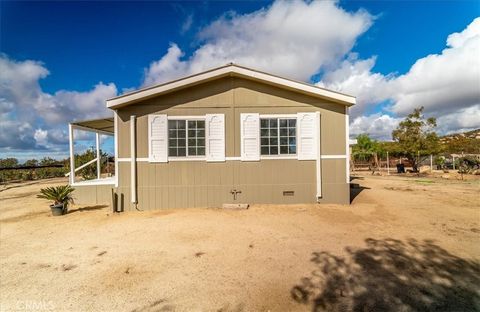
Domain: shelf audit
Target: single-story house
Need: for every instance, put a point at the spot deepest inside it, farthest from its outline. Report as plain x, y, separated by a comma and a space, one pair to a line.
224, 136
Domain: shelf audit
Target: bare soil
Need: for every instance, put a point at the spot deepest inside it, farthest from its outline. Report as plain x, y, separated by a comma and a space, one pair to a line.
405, 244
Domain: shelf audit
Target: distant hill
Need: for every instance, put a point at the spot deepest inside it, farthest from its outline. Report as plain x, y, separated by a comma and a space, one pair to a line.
473, 134
468, 142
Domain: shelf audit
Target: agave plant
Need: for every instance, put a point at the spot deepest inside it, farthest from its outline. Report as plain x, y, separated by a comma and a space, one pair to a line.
58, 194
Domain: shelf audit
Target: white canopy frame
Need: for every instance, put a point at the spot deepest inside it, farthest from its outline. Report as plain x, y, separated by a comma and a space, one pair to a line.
99, 127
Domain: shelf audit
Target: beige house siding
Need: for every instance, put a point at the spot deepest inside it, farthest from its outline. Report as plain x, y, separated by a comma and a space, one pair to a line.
93, 194
232, 96
203, 184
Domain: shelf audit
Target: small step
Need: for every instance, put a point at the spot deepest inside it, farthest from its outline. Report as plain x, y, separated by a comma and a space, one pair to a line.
235, 206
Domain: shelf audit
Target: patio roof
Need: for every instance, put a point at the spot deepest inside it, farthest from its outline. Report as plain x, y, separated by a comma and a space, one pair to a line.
103, 125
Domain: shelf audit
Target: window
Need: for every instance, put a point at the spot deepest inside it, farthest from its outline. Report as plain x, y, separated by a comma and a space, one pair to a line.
278, 136
186, 138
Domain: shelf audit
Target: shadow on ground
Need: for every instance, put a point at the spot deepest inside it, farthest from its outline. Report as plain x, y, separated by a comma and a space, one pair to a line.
355, 190
89, 208
391, 275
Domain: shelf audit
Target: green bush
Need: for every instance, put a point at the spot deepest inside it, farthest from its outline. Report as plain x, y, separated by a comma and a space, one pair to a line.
58, 194
467, 164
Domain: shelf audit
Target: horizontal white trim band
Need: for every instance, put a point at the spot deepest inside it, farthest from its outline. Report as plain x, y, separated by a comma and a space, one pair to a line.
333, 156
235, 158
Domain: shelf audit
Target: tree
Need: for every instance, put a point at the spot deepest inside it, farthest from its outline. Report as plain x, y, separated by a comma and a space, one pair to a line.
8, 162
416, 137
31, 163
89, 172
366, 149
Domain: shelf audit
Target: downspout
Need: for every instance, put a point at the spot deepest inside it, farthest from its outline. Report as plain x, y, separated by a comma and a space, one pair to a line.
72, 155
318, 161
133, 162
347, 144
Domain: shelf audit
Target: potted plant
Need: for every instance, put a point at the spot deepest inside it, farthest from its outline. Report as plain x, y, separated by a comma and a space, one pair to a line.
61, 197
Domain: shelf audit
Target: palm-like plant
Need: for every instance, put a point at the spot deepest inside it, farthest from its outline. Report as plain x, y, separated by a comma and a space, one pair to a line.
58, 194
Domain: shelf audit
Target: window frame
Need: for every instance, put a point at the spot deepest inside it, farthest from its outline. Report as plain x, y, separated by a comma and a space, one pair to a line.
186, 119
278, 117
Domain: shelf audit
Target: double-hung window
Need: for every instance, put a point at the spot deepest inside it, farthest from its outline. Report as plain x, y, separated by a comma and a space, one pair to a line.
186, 138
278, 136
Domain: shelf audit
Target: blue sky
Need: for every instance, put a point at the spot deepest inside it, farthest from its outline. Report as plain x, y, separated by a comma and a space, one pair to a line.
92, 49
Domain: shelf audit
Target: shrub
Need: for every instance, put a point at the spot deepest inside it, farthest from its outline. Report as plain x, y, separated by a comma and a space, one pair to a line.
58, 194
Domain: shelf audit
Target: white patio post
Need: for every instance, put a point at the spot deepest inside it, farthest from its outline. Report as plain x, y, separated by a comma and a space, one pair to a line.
431, 163
97, 141
72, 160
388, 165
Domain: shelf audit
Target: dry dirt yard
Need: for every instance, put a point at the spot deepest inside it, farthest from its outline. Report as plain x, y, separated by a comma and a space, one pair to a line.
405, 244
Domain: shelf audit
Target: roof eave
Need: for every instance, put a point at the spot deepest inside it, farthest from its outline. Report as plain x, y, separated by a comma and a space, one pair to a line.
228, 70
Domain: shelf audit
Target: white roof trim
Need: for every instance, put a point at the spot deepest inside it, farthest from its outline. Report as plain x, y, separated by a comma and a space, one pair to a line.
228, 70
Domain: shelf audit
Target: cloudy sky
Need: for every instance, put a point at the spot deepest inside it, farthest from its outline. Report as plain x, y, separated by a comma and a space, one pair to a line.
60, 61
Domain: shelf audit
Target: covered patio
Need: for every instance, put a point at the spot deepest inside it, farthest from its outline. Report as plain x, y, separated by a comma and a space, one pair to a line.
104, 126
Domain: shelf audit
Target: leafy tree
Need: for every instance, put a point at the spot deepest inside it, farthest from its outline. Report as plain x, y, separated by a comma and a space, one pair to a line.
90, 171
365, 148
8, 162
44, 173
467, 164
6, 175
416, 137
45, 161
368, 149
31, 163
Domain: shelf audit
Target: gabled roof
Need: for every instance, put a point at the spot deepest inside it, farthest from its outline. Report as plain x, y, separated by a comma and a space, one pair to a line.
231, 70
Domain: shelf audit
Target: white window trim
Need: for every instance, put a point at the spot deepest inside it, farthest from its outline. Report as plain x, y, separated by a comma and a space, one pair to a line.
278, 116
197, 117
185, 158
278, 156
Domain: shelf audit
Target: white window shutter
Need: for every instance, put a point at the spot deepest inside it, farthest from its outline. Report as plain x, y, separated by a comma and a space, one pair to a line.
157, 138
250, 137
308, 135
215, 137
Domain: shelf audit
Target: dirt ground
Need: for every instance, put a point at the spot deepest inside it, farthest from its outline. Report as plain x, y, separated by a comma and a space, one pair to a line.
405, 244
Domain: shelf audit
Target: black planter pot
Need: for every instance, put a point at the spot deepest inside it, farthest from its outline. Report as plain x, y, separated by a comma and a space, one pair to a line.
58, 209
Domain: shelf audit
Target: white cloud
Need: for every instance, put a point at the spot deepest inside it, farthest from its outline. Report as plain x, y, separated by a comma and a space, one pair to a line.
446, 84
167, 68
354, 76
31, 118
19, 86
294, 39
16, 134
378, 126
187, 24
464, 119
64, 106
290, 38
40, 137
